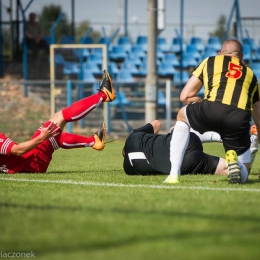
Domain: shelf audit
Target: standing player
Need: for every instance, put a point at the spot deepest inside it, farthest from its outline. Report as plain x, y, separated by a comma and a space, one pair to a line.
35, 155
231, 94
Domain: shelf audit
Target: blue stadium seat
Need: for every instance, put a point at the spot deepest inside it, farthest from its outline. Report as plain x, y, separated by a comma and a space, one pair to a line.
113, 69
161, 99
117, 54
142, 41
159, 53
188, 61
131, 67
107, 41
134, 59
67, 40
172, 59
121, 99
138, 51
208, 52
78, 53
95, 58
214, 42
192, 50
125, 77
198, 43
86, 40
162, 43
248, 53
88, 76
143, 69
176, 45
59, 59
251, 42
255, 66
165, 70
93, 68
177, 77
69, 67
257, 54
97, 51
125, 42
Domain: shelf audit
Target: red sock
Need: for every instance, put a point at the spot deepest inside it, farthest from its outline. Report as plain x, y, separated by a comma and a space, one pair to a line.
82, 107
68, 141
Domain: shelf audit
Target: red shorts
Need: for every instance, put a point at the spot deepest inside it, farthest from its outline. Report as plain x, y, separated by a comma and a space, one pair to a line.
38, 159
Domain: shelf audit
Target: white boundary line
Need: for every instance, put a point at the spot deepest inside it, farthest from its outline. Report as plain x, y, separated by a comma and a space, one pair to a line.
105, 184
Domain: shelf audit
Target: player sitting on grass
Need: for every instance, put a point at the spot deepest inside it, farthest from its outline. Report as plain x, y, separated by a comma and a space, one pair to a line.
34, 156
148, 153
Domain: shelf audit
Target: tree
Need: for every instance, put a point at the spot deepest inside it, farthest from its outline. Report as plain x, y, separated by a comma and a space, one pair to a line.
219, 31
48, 16
82, 28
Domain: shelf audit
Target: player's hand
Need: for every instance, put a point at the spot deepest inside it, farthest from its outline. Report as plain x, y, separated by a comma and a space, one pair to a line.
51, 130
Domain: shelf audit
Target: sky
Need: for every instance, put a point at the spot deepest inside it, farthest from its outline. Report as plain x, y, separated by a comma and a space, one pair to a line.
200, 16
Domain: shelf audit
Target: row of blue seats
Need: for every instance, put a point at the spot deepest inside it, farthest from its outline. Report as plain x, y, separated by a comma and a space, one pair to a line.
212, 41
166, 67
136, 60
127, 73
195, 44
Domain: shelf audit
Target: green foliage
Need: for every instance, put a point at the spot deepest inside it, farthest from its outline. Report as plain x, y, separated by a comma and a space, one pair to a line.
82, 28
219, 31
49, 15
202, 218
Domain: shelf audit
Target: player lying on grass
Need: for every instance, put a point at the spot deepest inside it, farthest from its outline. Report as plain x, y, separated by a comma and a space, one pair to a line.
148, 153
34, 156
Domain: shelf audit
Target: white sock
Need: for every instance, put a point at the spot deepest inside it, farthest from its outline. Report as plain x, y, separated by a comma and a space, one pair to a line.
178, 145
253, 147
208, 136
243, 171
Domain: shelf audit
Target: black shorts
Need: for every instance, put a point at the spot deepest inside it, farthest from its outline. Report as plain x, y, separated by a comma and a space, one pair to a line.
156, 149
198, 162
232, 123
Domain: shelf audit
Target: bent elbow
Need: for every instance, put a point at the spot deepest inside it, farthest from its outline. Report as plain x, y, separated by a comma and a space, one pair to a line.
18, 152
184, 99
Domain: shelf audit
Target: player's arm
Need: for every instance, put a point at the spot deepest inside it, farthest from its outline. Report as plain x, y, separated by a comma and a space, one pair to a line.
156, 125
24, 147
190, 91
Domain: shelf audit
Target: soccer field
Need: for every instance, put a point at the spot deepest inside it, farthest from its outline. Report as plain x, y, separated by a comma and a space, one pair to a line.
85, 207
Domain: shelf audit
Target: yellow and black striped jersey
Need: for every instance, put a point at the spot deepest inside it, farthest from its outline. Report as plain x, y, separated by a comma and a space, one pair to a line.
229, 81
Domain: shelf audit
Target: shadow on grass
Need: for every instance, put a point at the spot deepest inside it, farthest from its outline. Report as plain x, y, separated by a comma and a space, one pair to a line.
90, 246
130, 211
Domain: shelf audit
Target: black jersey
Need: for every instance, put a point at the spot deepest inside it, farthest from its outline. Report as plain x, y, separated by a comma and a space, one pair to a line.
149, 153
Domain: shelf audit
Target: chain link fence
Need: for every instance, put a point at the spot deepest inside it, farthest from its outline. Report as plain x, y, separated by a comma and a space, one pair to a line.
106, 18
21, 116
109, 16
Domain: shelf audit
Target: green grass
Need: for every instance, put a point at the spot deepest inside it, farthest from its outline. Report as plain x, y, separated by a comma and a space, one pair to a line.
87, 219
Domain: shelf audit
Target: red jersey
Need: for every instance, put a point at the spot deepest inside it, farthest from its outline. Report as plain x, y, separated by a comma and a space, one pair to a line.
37, 160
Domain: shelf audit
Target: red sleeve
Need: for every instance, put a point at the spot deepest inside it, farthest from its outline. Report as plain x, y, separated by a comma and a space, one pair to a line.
6, 144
